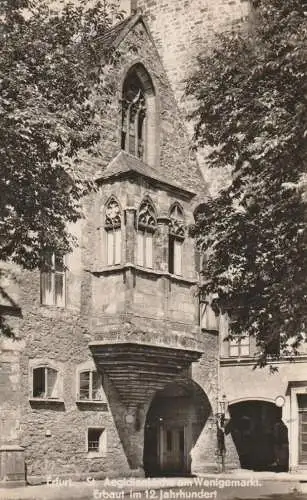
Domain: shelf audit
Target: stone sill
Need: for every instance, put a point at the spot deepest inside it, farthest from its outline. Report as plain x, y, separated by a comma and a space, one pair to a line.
102, 405
47, 401
93, 455
53, 307
105, 270
11, 447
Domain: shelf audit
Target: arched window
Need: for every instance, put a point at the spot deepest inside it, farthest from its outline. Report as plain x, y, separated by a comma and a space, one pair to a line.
176, 238
146, 226
139, 115
44, 382
133, 116
112, 225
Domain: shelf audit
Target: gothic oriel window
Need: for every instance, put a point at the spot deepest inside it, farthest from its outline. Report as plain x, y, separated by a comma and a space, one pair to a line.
133, 138
176, 238
146, 226
112, 225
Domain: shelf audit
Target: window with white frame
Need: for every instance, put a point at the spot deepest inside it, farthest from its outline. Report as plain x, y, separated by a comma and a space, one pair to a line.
112, 225
96, 440
146, 226
90, 386
53, 289
239, 345
45, 382
176, 238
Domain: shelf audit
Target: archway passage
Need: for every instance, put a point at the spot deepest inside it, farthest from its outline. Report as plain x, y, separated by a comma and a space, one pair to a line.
174, 422
260, 436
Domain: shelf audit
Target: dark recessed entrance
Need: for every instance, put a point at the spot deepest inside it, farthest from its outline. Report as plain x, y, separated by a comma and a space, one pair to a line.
174, 421
260, 436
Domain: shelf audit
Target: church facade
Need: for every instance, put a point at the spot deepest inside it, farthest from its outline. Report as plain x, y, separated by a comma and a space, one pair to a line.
116, 368
109, 373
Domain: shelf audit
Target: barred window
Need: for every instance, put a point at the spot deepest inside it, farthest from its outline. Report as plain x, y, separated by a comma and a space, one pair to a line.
94, 440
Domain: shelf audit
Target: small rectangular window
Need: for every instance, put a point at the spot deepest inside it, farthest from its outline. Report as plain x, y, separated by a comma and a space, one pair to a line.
53, 281
94, 440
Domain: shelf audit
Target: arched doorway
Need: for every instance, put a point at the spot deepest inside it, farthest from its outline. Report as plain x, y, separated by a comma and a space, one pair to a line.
260, 436
174, 422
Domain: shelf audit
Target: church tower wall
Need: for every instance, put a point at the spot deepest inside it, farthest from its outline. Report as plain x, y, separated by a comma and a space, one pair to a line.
180, 28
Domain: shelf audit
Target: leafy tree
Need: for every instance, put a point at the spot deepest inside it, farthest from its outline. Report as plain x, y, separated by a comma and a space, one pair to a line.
250, 110
54, 70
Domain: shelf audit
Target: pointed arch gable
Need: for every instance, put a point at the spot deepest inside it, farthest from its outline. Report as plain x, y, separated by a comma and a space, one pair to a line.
175, 205
144, 76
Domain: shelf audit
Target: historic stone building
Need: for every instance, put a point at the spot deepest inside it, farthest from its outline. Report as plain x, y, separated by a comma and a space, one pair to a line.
115, 368
109, 372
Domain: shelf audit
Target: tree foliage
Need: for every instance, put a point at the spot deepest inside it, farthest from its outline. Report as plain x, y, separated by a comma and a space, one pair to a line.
53, 70
250, 93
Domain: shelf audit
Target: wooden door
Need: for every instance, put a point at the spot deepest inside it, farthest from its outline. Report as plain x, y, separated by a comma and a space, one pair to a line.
173, 449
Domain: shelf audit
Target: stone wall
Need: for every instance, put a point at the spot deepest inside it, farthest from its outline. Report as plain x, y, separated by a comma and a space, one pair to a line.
181, 28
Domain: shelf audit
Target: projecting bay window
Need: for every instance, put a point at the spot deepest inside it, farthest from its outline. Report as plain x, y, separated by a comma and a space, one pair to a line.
45, 383
113, 231
146, 226
176, 239
53, 281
